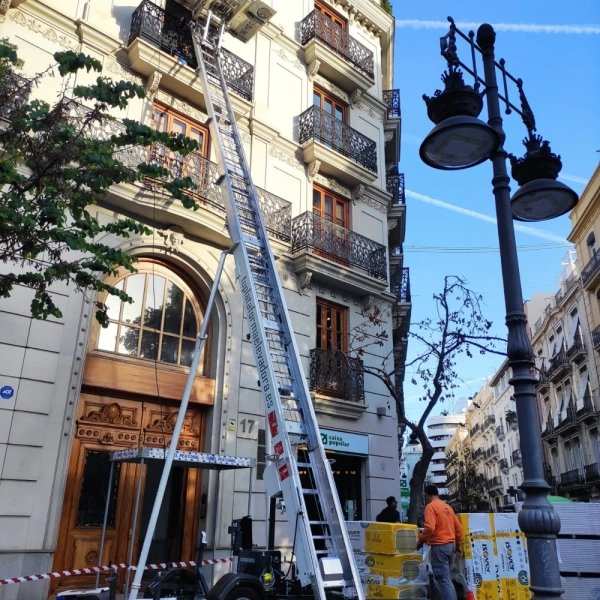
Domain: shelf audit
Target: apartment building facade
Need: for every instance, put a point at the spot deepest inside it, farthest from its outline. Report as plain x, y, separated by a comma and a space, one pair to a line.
320, 121
567, 388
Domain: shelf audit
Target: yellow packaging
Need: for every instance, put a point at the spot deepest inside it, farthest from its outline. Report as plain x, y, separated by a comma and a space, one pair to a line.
382, 538
481, 569
394, 593
393, 567
513, 567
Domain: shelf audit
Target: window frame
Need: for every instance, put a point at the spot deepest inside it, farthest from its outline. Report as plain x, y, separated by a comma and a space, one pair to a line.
188, 121
336, 200
322, 306
151, 267
334, 101
336, 18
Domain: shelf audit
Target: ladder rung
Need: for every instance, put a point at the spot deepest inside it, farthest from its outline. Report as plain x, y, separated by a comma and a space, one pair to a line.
318, 523
321, 537
310, 492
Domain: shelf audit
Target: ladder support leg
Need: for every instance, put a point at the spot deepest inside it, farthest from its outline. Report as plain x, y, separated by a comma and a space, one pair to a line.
137, 581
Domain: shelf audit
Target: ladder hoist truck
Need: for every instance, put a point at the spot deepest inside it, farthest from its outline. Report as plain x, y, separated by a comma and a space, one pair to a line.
324, 561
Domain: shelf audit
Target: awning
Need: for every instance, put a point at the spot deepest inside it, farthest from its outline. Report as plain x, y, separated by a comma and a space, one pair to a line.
574, 326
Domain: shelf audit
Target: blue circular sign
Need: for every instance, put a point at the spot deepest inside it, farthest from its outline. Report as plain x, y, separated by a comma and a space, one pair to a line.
7, 392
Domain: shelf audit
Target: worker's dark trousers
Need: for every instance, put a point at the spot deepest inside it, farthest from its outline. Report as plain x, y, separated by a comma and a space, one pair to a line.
441, 559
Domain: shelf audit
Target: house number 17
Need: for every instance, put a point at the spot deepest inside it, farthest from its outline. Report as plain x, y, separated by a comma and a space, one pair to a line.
250, 423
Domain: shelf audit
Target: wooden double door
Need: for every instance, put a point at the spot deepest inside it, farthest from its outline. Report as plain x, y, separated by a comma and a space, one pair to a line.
105, 424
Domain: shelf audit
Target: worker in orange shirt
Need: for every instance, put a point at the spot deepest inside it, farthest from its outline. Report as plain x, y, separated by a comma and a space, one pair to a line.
443, 533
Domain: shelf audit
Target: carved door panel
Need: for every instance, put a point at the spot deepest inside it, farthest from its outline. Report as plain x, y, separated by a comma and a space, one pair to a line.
105, 424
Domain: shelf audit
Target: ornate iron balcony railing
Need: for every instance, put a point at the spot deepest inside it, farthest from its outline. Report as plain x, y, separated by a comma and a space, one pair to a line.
394, 184
400, 284
173, 36
338, 244
392, 99
596, 337
500, 432
591, 268
14, 94
573, 477
335, 374
494, 482
276, 212
504, 465
318, 26
489, 421
516, 457
316, 124
592, 472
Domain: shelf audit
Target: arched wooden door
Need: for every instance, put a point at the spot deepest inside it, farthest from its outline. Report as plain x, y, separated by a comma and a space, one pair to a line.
133, 380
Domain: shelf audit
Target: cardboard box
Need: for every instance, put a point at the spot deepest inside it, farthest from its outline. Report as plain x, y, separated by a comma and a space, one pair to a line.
382, 538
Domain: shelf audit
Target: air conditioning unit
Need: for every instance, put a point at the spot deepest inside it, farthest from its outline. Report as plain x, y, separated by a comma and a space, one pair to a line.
244, 17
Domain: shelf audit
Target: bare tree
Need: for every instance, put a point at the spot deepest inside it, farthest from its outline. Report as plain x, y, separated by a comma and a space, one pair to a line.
457, 328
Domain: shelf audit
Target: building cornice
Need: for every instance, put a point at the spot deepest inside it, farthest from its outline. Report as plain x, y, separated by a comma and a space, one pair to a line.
587, 210
99, 40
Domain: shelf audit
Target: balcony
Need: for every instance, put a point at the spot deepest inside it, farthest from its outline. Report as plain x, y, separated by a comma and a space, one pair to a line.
548, 428
334, 254
500, 432
479, 453
511, 419
400, 287
14, 94
276, 212
592, 473
451, 477
392, 126
559, 366
490, 421
504, 466
340, 150
596, 338
576, 353
476, 430
567, 420
585, 407
337, 384
591, 272
572, 478
493, 453
394, 183
494, 483
153, 28
517, 459
335, 54
542, 382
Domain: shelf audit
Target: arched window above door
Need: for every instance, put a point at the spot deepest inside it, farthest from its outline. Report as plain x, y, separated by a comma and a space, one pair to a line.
162, 322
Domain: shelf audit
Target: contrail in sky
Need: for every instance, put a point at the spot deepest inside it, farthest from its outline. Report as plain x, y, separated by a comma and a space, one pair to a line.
512, 27
573, 178
541, 233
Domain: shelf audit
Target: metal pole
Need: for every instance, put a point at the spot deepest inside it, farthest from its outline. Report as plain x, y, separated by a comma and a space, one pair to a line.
112, 469
135, 518
215, 528
137, 580
250, 493
537, 519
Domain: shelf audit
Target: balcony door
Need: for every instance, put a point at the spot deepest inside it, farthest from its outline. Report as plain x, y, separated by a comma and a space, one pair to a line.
331, 237
194, 165
329, 124
332, 334
331, 28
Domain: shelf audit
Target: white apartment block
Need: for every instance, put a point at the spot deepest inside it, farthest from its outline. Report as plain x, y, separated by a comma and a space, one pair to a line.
320, 119
440, 431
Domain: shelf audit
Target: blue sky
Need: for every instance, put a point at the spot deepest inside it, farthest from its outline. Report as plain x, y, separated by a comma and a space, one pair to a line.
559, 67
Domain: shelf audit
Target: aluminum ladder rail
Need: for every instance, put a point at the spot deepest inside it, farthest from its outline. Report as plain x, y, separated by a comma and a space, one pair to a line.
289, 409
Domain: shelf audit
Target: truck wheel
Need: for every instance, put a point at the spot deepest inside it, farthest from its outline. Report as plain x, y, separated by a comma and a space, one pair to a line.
243, 592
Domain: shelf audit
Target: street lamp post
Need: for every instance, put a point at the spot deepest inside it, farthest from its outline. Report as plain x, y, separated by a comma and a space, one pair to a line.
460, 140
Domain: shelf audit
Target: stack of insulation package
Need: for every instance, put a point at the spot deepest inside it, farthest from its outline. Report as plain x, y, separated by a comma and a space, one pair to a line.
386, 558
495, 557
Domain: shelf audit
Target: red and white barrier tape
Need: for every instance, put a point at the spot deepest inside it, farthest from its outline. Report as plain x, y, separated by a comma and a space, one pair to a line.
91, 570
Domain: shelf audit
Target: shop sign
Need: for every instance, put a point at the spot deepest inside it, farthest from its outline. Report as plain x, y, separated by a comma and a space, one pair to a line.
344, 442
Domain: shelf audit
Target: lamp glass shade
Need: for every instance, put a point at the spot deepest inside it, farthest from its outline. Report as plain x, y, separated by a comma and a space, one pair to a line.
542, 200
459, 143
